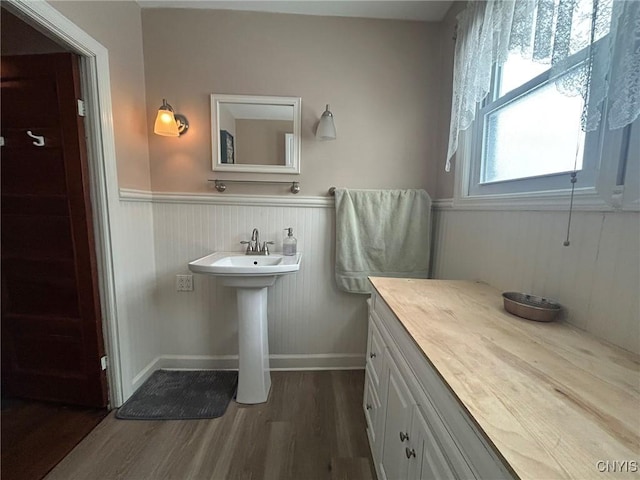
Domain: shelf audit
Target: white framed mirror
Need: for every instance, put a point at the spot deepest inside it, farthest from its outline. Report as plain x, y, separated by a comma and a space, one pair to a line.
255, 133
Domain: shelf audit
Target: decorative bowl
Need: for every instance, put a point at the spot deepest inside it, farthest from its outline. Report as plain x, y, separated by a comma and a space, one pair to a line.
531, 307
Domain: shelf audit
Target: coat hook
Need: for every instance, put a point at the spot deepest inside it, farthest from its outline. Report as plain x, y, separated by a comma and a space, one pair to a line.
39, 139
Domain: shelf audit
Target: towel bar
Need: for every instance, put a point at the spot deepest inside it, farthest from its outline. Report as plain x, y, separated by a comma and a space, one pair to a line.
332, 191
221, 184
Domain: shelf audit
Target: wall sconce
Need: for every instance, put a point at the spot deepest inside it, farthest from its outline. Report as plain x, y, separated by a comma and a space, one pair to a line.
168, 123
326, 128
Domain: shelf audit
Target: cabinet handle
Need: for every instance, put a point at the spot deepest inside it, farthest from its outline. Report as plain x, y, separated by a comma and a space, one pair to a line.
368, 406
410, 453
372, 355
404, 436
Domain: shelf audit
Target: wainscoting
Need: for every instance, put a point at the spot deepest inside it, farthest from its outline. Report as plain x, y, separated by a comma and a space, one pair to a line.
312, 325
140, 330
596, 277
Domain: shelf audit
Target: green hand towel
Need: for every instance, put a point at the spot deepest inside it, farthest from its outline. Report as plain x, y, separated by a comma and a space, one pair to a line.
381, 233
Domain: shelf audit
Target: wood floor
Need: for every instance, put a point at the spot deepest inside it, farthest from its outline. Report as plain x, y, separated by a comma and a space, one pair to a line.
311, 428
37, 435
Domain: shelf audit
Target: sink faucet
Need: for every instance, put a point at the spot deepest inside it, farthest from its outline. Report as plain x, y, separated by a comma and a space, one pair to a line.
254, 247
255, 240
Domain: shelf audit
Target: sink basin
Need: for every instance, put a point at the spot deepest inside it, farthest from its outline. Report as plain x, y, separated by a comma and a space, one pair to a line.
251, 275
239, 264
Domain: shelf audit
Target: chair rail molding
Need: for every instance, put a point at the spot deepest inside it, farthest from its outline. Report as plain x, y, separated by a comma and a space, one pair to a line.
132, 195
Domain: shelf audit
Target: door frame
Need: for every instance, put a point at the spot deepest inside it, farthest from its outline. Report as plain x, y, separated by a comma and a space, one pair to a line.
101, 153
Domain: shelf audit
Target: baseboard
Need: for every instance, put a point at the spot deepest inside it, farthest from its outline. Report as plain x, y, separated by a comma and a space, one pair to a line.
200, 362
143, 375
325, 361
322, 361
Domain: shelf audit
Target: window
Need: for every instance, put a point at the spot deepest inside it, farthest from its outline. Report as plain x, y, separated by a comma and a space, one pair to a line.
527, 135
520, 137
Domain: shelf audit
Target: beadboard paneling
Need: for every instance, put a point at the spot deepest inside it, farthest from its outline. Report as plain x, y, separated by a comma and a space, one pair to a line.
597, 278
308, 316
136, 290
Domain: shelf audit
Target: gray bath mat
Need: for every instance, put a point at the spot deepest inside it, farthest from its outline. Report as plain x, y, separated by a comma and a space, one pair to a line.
181, 395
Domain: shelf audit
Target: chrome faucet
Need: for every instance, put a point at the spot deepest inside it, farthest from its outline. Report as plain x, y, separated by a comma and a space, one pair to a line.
254, 247
255, 239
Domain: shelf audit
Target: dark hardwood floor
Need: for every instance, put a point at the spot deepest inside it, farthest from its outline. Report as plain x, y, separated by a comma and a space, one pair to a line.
37, 435
312, 427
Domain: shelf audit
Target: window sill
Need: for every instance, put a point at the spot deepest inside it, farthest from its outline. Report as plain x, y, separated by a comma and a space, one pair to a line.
538, 201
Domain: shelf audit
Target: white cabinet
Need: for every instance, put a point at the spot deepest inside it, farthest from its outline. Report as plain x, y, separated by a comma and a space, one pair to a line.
416, 428
397, 421
409, 447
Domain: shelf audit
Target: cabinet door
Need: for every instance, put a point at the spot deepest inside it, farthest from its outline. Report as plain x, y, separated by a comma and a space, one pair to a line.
427, 461
393, 461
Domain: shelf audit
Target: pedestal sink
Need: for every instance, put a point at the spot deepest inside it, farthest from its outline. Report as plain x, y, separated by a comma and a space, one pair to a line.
251, 275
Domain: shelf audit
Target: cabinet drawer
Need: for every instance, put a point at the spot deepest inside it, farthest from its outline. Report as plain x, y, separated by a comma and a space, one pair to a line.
382, 310
371, 406
375, 353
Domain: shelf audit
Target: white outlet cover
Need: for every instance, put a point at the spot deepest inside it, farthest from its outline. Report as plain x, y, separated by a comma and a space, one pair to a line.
184, 283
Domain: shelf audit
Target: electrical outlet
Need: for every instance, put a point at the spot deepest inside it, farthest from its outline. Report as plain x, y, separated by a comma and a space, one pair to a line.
184, 283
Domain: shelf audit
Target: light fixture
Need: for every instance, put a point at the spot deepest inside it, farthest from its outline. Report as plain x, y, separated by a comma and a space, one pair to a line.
326, 128
168, 123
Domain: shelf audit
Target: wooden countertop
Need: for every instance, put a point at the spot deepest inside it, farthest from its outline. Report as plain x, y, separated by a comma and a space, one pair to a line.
552, 399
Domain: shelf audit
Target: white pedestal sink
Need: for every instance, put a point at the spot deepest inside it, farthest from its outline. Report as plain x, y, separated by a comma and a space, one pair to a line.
251, 275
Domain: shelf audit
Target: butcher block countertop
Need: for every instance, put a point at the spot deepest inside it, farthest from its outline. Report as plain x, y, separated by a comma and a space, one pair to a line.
554, 401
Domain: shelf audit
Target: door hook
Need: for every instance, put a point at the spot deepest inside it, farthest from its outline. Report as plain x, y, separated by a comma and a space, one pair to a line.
39, 139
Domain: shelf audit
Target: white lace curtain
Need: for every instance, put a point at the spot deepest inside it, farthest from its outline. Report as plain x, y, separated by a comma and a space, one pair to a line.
607, 32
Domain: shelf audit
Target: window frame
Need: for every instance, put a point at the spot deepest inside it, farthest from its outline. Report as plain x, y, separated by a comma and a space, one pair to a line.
548, 183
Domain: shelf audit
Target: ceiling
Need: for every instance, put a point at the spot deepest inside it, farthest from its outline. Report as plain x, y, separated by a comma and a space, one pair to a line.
430, 11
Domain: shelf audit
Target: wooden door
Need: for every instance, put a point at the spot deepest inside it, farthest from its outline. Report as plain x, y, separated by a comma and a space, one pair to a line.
51, 323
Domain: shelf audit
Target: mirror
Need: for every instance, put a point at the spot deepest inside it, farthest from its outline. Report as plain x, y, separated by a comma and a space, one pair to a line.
255, 133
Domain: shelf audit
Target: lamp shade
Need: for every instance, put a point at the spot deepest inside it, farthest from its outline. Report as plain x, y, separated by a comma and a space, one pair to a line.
326, 128
166, 124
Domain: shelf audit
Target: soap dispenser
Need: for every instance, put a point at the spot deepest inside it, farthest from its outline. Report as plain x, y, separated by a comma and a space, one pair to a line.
289, 244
